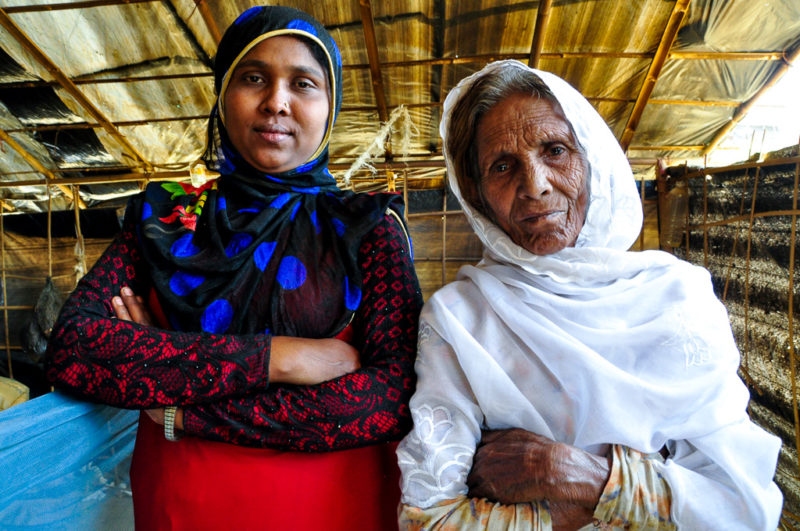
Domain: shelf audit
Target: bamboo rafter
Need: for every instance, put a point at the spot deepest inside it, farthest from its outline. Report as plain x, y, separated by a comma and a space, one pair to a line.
69, 87
667, 38
36, 165
540, 28
743, 109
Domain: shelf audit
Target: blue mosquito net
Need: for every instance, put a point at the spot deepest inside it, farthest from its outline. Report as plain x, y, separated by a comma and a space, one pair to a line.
64, 465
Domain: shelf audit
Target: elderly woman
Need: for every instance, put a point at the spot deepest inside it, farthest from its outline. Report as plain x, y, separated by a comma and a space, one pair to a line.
564, 381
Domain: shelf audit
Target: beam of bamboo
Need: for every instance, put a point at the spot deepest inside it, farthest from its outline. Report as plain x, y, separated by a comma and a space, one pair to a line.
743, 166
5, 294
540, 28
665, 148
792, 351
743, 109
69, 86
106, 80
72, 5
667, 38
208, 18
371, 42
84, 125
36, 165
488, 58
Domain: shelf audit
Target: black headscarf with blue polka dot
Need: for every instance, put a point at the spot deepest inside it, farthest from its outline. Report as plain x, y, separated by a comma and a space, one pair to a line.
257, 253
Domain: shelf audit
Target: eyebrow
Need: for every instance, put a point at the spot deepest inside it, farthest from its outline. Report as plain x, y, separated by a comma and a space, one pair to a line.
298, 69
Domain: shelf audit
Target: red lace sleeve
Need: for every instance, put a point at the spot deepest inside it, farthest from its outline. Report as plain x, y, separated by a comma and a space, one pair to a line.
124, 364
367, 406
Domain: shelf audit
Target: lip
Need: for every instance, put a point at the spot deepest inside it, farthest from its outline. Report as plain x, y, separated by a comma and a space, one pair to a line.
272, 133
541, 217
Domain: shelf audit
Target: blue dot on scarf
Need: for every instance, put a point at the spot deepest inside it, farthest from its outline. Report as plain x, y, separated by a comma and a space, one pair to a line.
267, 331
291, 273
281, 200
238, 243
247, 15
305, 167
147, 211
328, 174
294, 211
309, 190
263, 253
274, 179
217, 317
183, 283
302, 25
338, 226
183, 246
222, 204
352, 295
314, 221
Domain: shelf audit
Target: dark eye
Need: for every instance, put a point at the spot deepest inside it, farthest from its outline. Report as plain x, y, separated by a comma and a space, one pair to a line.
500, 167
252, 78
557, 150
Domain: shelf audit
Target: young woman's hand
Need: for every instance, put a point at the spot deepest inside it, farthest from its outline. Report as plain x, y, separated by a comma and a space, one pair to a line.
517, 466
302, 361
130, 307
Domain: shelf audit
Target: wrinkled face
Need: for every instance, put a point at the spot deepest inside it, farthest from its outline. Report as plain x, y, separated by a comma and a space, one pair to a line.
276, 105
532, 174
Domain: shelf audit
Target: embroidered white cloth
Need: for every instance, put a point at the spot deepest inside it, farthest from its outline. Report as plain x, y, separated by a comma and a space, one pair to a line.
589, 346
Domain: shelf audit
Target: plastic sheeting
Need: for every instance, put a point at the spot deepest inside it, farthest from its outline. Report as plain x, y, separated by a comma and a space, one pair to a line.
603, 48
65, 465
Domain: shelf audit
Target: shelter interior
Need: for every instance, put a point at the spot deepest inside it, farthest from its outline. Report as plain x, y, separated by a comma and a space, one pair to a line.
100, 97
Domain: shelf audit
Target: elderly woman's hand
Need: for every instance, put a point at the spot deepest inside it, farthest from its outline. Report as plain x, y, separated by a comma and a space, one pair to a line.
517, 466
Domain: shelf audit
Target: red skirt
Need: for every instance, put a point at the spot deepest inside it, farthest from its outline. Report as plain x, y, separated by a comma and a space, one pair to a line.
195, 484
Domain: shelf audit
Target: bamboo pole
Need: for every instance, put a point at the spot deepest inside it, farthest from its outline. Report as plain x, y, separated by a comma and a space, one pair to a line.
742, 110
33, 163
69, 86
208, 18
72, 5
5, 292
660, 57
540, 28
792, 352
746, 353
705, 217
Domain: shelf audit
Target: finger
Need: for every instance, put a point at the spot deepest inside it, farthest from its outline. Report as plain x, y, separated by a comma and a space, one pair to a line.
135, 307
120, 310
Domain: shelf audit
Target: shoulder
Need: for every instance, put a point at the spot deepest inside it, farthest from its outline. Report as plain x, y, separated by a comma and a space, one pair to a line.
390, 231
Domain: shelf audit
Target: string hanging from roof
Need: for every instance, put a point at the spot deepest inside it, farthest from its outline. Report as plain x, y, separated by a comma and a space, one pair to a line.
407, 131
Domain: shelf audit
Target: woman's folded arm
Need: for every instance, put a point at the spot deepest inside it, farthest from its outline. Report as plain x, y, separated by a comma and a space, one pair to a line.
363, 407
95, 355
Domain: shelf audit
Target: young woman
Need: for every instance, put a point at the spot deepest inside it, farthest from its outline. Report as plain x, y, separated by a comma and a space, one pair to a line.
284, 311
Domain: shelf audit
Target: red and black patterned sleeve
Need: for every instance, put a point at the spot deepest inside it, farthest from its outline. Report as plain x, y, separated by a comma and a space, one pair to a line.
121, 363
365, 407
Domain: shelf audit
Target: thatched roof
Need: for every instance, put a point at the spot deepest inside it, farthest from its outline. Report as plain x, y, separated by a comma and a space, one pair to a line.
116, 91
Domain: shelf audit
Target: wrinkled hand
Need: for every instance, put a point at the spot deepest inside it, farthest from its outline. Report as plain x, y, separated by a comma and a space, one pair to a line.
302, 361
517, 466
130, 307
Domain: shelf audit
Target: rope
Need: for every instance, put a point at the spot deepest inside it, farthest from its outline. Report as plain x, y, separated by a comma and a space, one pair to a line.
377, 147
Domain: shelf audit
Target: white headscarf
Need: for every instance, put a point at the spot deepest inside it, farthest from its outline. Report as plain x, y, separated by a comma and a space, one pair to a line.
594, 345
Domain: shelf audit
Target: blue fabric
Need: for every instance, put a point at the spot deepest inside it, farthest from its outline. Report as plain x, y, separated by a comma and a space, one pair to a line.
64, 465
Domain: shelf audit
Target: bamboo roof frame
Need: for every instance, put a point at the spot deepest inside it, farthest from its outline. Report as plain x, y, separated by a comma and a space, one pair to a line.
70, 87
667, 39
375, 66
